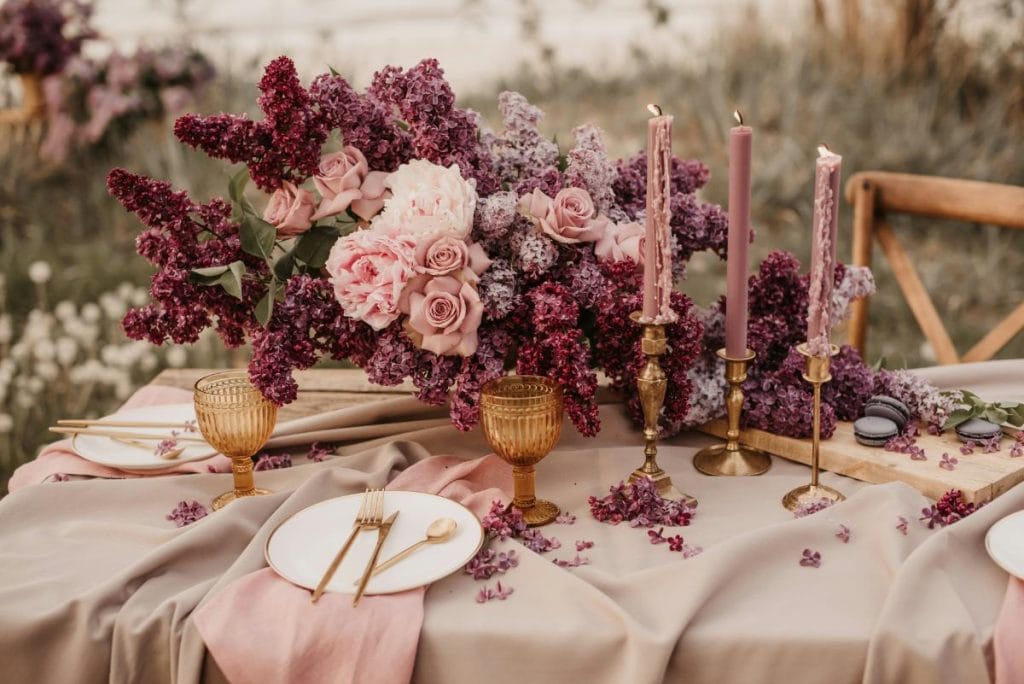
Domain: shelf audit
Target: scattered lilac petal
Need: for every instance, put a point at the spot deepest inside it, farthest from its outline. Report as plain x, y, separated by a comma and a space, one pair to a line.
273, 461
844, 534
657, 537
574, 563
59, 477
992, 445
535, 540
903, 525
165, 446
318, 451
967, 447
810, 507
584, 544
948, 462
811, 559
504, 521
565, 519
186, 513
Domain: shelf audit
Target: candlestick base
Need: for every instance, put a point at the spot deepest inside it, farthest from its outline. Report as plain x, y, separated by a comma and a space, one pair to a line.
808, 494
732, 458
651, 385
816, 372
719, 459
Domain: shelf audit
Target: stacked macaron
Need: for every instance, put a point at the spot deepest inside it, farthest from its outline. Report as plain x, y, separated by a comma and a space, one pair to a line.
977, 430
884, 418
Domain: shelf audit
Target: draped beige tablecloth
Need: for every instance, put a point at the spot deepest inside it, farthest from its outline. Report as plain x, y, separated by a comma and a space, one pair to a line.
95, 583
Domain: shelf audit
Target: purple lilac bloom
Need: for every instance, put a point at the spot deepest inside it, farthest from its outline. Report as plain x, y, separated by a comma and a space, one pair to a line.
187, 512
810, 559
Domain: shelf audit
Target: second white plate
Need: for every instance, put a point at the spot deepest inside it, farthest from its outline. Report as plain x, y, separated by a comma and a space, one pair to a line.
1005, 543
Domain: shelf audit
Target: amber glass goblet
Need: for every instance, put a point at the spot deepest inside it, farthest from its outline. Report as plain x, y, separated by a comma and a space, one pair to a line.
236, 420
522, 421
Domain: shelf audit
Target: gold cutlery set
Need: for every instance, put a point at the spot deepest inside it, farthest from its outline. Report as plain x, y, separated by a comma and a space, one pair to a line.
370, 517
135, 439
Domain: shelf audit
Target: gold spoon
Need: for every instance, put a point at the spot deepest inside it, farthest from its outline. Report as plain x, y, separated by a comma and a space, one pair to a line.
441, 530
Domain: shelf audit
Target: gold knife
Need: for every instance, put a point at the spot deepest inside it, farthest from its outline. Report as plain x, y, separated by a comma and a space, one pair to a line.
382, 534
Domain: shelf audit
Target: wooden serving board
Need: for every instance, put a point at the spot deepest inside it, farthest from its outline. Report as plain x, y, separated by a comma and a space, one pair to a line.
982, 477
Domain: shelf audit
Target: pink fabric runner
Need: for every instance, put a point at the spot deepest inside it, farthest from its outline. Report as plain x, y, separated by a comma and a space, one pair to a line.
263, 629
59, 458
1008, 639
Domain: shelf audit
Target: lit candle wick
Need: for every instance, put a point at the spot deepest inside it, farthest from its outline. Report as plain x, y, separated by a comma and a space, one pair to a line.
823, 150
738, 115
654, 109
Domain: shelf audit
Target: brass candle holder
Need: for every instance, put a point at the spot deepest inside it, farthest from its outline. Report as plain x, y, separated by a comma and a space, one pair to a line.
651, 384
732, 458
817, 373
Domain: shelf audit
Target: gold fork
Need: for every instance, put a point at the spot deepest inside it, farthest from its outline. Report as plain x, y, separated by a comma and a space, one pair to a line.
369, 517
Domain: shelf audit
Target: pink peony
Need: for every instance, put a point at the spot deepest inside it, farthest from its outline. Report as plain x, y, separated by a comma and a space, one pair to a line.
290, 210
444, 316
346, 182
570, 218
369, 271
621, 241
427, 199
443, 254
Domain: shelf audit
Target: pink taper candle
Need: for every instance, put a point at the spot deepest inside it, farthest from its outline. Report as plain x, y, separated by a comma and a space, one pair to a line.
737, 264
823, 249
657, 249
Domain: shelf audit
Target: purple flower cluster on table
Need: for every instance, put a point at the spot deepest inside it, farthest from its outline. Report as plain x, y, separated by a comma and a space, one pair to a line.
452, 253
906, 443
640, 504
488, 562
40, 36
318, 451
187, 512
950, 508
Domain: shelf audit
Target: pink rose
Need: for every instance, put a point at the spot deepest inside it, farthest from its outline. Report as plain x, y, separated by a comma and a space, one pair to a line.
444, 317
444, 254
369, 271
345, 182
290, 210
621, 241
570, 218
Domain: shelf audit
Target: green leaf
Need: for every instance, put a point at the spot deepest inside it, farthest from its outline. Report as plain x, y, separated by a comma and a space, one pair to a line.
257, 236
313, 246
265, 307
401, 124
236, 186
209, 271
232, 280
284, 267
996, 415
957, 417
334, 72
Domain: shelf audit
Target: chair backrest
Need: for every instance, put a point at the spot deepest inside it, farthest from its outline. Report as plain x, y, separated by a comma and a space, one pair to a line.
875, 194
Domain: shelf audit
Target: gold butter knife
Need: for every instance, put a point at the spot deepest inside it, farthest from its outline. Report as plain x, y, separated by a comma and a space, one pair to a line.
382, 534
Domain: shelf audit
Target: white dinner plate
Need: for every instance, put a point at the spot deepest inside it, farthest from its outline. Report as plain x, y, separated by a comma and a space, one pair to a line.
109, 452
302, 547
1005, 543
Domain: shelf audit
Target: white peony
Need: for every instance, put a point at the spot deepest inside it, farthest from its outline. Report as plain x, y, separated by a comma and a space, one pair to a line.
427, 199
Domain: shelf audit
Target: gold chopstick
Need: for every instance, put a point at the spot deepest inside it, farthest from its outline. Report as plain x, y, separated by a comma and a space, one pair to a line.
123, 435
68, 422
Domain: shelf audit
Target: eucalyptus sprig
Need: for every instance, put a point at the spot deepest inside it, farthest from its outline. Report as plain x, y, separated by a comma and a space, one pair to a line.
972, 406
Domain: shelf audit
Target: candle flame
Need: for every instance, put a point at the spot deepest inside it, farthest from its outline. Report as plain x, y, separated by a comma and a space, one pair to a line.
823, 150
654, 109
738, 115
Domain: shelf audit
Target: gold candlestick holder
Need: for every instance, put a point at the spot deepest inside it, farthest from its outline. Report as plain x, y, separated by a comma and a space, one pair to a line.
732, 458
651, 384
817, 373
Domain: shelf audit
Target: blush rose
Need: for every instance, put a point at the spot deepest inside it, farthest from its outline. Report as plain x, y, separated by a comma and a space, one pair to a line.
290, 210
621, 241
569, 218
345, 181
444, 317
369, 271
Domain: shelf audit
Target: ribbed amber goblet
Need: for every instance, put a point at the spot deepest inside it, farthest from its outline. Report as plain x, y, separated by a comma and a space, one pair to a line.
236, 420
522, 421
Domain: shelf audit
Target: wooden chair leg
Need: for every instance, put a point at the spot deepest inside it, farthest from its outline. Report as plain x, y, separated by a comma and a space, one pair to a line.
863, 225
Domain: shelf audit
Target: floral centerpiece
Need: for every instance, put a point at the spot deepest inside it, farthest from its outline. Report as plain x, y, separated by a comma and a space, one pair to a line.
391, 230
38, 37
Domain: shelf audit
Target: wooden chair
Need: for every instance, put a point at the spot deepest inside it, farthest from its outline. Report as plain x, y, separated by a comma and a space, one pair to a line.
875, 194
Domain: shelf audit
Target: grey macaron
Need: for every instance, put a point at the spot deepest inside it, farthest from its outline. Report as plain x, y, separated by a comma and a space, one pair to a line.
886, 407
977, 430
874, 431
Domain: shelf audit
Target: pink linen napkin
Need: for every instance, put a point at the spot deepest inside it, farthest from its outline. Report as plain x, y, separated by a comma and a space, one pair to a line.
287, 639
1009, 635
59, 458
